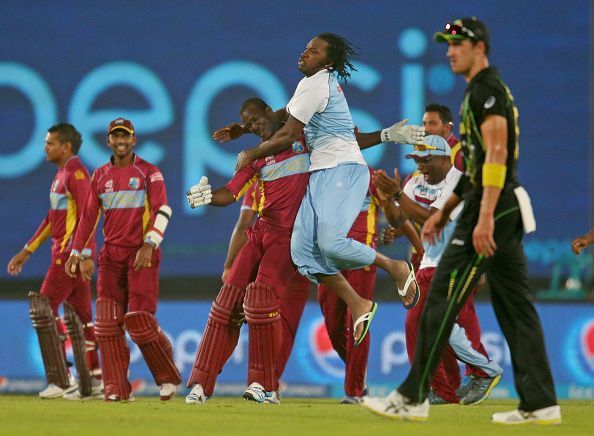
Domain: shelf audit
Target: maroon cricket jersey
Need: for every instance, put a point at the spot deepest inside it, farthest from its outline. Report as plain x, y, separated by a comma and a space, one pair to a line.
364, 228
129, 196
67, 198
283, 181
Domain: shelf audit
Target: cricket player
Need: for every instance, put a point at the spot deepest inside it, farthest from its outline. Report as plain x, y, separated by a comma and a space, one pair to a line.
68, 192
131, 193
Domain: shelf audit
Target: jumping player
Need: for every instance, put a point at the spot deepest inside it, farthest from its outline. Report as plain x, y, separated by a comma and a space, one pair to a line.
67, 196
131, 192
339, 178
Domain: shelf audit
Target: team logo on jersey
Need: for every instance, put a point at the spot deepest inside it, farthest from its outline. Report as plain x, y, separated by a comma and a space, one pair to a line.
269, 160
109, 186
79, 175
134, 183
489, 102
298, 147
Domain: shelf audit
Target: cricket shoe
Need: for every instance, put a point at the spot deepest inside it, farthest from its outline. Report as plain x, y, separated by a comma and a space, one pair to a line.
54, 391
117, 399
256, 392
435, 399
395, 406
167, 391
464, 388
96, 393
355, 400
480, 388
196, 395
546, 416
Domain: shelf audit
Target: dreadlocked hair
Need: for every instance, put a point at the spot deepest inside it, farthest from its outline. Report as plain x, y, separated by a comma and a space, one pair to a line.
341, 52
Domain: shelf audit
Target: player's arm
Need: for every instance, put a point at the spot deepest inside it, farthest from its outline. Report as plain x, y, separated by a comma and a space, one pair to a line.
494, 133
201, 194
280, 141
581, 242
16, 263
79, 186
83, 245
399, 133
412, 235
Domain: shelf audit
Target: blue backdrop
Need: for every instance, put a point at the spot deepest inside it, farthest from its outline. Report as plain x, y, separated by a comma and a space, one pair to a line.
180, 70
314, 369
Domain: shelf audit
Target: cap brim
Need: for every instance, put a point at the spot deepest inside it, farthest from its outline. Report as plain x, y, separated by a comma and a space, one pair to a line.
417, 154
445, 37
131, 132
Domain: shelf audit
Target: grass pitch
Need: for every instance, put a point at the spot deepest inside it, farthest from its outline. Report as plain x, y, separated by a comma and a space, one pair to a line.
229, 416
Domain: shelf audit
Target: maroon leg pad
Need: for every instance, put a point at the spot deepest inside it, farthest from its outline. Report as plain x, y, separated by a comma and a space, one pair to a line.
261, 308
115, 354
154, 345
219, 338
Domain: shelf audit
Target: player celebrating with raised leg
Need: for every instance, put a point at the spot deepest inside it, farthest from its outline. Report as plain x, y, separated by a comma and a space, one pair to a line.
67, 197
131, 192
339, 178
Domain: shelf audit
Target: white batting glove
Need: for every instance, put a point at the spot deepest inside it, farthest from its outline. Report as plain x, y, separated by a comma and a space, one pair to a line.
200, 194
403, 134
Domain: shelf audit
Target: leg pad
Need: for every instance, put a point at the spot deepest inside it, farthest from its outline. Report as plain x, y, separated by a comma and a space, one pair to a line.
76, 332
50, 343
154, 345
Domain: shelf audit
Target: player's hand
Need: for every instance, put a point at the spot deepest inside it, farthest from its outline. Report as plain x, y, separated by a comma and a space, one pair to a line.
87, 268
390, 186
143, 257
482, 236
15, 265
403, 134
579, 244
71, 265
244, 159
228, 133
199, 194
431, 231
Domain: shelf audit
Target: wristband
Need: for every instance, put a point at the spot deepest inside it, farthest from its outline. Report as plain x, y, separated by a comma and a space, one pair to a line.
494, 175
398, 195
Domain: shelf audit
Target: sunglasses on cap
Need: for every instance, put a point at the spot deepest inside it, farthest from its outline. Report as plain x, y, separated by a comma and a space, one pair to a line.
425, 147
460, 31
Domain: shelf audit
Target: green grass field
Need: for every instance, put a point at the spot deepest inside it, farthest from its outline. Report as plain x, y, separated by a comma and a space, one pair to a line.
148, 416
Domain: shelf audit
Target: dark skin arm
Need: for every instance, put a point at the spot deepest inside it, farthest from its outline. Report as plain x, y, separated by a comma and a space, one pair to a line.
222, 197
280, 141
409, 207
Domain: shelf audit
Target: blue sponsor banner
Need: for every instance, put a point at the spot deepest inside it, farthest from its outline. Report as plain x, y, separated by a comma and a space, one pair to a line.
314, 369
179, 70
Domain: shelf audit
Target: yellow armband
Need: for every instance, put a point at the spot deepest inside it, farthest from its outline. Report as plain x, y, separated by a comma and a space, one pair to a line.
494, 175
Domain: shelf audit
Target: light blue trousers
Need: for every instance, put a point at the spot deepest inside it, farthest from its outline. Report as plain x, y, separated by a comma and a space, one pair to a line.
334, 198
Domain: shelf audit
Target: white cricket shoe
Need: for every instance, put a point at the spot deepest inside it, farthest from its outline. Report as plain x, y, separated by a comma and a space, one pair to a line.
545, 416
256, 392
54, 391
96, 392
167, 391
116, 399
196, 395
395, 406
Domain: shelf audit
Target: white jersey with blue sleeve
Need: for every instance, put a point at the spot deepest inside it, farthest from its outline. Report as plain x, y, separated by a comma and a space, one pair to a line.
426, 195
320, 104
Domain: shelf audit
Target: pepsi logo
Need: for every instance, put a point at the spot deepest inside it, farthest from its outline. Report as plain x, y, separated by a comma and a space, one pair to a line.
323, 353
587, 343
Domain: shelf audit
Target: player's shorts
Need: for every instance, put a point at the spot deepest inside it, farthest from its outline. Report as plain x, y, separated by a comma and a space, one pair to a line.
118, 280
59, 287
334, 198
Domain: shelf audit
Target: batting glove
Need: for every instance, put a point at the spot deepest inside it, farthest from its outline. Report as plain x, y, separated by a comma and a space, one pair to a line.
403, 134
200, 194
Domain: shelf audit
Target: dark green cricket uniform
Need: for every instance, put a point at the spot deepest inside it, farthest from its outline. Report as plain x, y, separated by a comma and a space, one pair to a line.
460, 266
